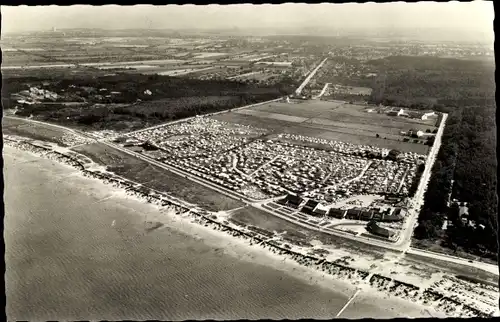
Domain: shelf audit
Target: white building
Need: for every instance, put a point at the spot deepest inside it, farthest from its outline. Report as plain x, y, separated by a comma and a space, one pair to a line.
427, 115
402, 113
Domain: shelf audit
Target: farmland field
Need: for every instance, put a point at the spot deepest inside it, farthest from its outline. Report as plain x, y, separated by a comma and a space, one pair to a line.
336, 121
254, 121
157, 178
275, 116
182, 71
261, 76
303, 109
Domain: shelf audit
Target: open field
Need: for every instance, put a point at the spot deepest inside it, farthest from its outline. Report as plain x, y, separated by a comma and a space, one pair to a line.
334, 121
343, 135
56, 72
156, 178
333, 134
294, 233
31, 130
307, 109
271, 124
433, 246
275, 116
485, 277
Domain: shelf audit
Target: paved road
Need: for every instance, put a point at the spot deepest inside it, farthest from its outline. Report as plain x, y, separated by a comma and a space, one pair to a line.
409, 225
322, 91
309, 77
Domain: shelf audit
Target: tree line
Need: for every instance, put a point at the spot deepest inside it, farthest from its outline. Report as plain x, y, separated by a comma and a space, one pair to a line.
465, 90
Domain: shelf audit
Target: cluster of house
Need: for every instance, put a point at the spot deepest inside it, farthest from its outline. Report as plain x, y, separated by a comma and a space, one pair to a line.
97, 94
252, 157
463, 213
34, 95
421, 115
390, 177
220, 152
352, 90
198, 136
372, 215
219, 73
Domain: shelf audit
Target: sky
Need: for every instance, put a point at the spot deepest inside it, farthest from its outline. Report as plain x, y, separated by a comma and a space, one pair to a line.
473, 17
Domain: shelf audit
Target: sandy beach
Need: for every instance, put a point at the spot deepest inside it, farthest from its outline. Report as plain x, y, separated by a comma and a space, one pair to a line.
367, 302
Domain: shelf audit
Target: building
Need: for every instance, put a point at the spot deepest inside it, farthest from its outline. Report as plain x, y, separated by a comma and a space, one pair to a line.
392, 199
429, 115
396, 112
366, 215
320, 210
390, 218
292, 201
402, 113
353, 213
373, 228
463, 211
336, 213
309, 206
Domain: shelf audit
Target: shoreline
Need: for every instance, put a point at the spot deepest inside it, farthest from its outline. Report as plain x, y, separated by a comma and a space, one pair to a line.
181, 213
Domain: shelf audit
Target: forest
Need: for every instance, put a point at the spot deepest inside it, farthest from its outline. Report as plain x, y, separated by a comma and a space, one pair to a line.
131, 107
466, 91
